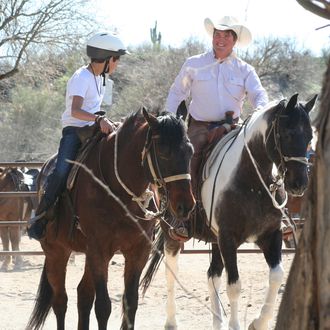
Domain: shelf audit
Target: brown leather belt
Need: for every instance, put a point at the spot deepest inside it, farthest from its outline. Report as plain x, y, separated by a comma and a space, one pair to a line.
215, 123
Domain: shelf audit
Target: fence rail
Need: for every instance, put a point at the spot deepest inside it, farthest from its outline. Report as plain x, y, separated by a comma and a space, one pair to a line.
30, 193
18, 194
21, 164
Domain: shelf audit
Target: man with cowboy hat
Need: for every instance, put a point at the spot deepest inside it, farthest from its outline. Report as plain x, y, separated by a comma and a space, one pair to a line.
217, 83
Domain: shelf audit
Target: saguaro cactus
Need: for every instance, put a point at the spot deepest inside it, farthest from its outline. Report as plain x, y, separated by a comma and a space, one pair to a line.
155, 37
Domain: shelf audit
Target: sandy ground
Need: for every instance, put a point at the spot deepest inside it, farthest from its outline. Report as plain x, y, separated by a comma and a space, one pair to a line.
18, 287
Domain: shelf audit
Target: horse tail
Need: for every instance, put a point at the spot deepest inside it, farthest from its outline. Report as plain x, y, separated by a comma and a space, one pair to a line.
42, 304
157, 255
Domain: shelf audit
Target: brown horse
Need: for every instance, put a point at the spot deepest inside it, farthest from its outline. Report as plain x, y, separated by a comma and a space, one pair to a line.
145, 150
12, 209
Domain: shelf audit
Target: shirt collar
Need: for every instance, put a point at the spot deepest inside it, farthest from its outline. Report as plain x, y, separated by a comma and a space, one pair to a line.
228, 59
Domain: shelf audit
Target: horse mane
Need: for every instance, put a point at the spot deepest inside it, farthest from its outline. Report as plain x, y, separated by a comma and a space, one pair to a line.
170, 127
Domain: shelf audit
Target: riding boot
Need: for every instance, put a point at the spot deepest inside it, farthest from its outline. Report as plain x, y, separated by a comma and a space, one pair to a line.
37, 225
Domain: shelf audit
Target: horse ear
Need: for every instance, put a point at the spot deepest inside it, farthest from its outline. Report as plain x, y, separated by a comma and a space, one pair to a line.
292, 102
151, 119
310, 104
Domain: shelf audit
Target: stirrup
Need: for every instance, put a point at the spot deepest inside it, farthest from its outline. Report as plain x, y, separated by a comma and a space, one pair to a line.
36, 227
179, 234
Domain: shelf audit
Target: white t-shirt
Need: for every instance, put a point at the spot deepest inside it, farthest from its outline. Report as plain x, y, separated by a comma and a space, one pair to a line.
215, 87
83, 83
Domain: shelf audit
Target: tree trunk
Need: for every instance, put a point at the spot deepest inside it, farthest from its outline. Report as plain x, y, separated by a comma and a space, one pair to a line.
306, 302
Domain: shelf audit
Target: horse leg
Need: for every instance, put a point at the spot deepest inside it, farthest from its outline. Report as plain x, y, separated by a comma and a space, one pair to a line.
213, 275
15, 238
228, 251
134, 264
86, 294
51, 291
271, 247
171, 252
56, 262
98, 266
4, 232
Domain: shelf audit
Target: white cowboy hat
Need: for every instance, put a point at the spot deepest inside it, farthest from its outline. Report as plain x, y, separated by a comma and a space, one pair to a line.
244, 36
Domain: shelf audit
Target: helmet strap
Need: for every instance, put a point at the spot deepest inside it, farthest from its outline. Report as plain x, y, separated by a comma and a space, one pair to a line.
105, 70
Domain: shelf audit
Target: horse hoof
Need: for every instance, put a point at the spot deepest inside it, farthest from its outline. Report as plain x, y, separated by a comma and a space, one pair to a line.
18, 263
251, 326
4, 267
170, 326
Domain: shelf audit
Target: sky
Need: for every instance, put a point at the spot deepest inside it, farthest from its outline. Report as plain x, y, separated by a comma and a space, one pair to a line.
178, 20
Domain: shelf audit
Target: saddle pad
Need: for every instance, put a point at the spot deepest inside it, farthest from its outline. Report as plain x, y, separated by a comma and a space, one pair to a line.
216, 150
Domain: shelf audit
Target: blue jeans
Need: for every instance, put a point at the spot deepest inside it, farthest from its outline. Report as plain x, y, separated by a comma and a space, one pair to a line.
56, 182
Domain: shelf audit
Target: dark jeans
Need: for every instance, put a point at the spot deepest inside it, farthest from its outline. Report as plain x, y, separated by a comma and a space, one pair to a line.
56, 182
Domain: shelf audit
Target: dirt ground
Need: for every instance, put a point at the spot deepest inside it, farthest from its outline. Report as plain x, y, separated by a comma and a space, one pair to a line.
18, 287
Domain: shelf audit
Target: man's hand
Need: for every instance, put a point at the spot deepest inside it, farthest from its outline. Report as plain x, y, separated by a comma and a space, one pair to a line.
215, 134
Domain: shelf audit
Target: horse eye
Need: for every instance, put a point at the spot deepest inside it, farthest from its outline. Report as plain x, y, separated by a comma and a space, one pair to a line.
164, 151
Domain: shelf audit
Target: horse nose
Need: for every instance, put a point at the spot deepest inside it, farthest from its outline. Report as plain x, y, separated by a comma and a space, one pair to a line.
181, 199
297, 188
183, 210
296, 180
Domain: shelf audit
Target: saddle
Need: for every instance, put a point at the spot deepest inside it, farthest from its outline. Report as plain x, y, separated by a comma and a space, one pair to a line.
196, 227
89, 136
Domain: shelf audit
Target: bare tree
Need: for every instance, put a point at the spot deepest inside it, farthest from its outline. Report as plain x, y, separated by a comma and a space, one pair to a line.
306, 300
26, 23
283, 67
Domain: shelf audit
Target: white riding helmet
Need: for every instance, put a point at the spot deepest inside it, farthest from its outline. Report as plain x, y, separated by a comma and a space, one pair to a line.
102, 46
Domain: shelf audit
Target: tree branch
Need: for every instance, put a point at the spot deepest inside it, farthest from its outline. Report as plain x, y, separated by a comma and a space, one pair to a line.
318, 7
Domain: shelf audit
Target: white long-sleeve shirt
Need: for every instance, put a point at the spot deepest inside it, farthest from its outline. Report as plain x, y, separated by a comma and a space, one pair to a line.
215, 87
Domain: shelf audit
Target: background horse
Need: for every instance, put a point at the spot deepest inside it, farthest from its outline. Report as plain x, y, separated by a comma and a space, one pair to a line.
241, 198
13, 209
144, 150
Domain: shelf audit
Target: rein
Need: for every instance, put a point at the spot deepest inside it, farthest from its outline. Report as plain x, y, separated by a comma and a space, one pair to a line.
271, 191
279, 180
144, 199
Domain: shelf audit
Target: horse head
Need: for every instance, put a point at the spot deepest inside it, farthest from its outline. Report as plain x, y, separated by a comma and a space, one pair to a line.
167, 161
291, 133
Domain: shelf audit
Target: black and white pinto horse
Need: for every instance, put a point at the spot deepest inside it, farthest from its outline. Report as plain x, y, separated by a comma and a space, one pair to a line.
243, 198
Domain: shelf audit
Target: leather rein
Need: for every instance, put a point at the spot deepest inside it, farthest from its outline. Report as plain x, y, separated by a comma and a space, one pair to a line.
149, 153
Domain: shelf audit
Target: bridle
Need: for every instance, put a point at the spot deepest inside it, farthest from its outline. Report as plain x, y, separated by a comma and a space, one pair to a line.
275, 129
278, 180
159, 180
144, 199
